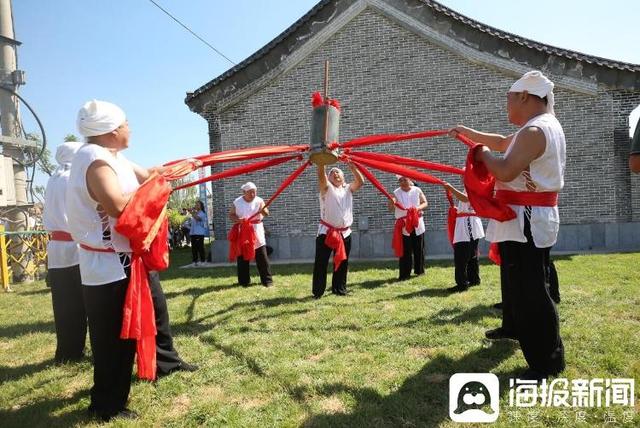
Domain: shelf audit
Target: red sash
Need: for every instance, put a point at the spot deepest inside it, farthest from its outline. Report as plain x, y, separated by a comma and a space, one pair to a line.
409, 222
59, 235
97, 250
536, 199
336, 243
242, 240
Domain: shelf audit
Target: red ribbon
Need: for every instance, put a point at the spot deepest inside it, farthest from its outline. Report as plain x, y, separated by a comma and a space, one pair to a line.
334, 241
239, 170
60, 235
244, 154
386, 138
394, 159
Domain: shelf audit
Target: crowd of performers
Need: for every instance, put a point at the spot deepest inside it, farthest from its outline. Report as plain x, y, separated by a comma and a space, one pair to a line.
100, 278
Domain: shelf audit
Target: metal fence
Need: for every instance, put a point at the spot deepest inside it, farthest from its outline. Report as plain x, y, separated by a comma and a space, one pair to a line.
24, 251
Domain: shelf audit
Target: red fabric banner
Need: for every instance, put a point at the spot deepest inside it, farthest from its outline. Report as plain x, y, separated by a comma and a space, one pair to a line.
385, 138
244, 154
239, 170
334, 241
242, 240
395, 169
394, 159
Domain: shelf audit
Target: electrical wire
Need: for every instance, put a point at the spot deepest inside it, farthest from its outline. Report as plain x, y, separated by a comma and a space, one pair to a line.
191, 31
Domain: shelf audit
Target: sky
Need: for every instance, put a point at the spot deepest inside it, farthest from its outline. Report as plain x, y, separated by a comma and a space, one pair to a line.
130, 53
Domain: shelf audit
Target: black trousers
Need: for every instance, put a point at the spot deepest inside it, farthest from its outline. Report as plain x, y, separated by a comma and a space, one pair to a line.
465, 256
197, 248
531, 308
262, 263
412, 255
339, 279
112, 356
167, 358
554, 285
68, 312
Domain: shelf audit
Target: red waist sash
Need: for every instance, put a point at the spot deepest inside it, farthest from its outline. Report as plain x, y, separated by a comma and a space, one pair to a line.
59, 235
242, 240
336, 243
409, 222
97, 250
537, 199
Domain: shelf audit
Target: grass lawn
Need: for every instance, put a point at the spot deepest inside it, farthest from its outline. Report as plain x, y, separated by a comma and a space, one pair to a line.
379, 357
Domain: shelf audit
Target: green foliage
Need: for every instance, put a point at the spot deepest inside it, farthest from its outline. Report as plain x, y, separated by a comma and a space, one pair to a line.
175, 218
381, 357
70, 137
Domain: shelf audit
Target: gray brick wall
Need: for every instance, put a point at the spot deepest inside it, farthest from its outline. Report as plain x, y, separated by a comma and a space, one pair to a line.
391, 80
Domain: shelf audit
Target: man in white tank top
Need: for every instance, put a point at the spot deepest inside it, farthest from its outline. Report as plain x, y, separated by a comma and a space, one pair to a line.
101, 183
528, 178
410, 196
251, 207
63, 275
334, 230
468, 232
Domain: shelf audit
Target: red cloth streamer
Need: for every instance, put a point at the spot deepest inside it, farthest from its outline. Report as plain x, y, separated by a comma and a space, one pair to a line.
144, 222
244, 154
479, 184
395, 169
494, 253
385, 138
334, 241
239, 170
242, 240
394, 159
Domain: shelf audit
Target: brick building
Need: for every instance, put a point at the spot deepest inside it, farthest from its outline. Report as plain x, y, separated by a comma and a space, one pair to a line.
411, 65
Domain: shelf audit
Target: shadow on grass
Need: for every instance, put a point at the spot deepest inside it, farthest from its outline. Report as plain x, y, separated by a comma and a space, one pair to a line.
8, 374
17, 330
459, 316
46, 413
427, 292
422, 400
44, 290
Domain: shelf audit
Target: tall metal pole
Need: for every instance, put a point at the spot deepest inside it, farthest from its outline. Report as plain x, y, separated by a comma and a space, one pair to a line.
9, 120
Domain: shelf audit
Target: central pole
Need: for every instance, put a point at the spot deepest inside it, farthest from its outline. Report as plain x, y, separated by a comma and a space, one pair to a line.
326, 101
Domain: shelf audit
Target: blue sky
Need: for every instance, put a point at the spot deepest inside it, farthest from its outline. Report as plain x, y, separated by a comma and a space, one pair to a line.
130, 53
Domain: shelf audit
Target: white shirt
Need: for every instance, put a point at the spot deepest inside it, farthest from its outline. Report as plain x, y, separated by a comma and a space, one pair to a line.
245, 210
463, 224
60, 254
546, 174
408, 200
86, 224
336, 208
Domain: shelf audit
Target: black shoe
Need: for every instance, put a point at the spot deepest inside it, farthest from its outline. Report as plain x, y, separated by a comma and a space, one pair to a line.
556, 299
457, 289
317, 297
497, 306
531, 374
499, 333
268, 284
341, 293
404, 278
186, 367
473, 284
106, 417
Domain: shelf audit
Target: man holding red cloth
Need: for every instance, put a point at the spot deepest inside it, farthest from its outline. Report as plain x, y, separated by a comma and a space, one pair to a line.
528, 179
334, 231
412, 222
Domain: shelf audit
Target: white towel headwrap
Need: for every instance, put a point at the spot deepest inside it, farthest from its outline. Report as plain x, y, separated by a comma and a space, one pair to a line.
99, 118
248, 186
64, 154
536, 83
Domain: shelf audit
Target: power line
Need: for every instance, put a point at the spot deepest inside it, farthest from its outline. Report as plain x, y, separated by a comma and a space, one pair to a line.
191, 31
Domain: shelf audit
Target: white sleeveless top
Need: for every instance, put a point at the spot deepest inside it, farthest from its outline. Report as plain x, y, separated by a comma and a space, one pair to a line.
60, 254
336, 208
88, 226
408, 200
246, 209
463, 224
546, 174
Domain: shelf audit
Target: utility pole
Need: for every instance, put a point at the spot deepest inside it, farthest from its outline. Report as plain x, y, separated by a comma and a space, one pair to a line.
11, 78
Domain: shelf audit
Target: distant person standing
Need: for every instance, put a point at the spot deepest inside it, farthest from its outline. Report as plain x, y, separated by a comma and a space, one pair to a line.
62, 262
197, 232
634, 154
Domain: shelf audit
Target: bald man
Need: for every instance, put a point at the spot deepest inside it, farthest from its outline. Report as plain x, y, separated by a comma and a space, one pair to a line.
528, 178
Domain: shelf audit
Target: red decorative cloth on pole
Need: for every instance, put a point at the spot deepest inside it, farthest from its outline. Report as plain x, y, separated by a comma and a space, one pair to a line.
334, 241
386, 138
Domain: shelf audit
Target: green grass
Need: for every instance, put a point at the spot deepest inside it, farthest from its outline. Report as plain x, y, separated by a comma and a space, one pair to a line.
379, 357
